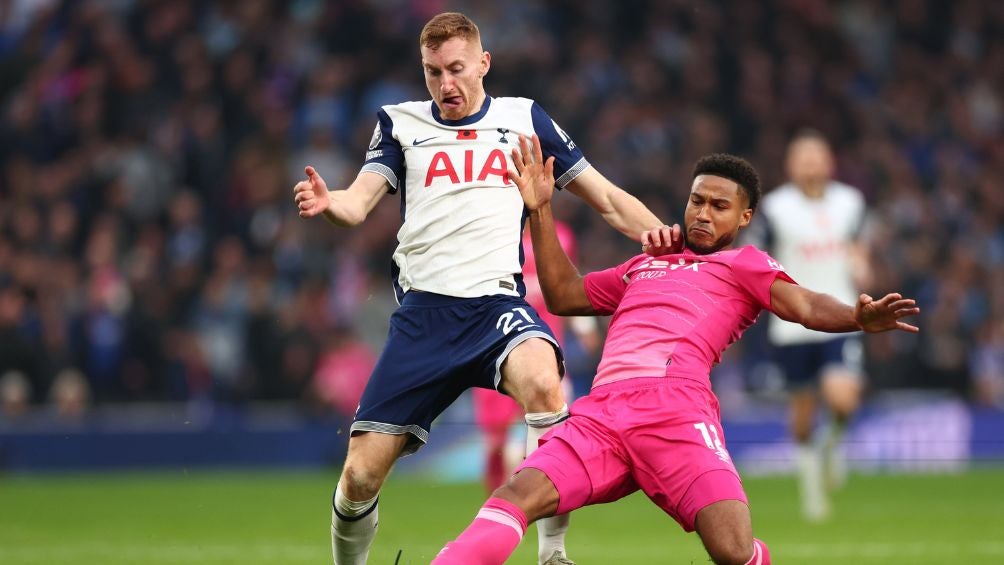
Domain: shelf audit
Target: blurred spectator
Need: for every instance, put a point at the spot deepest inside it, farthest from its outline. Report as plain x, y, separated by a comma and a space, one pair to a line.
18, 355
15, 394
70, 395
219, 318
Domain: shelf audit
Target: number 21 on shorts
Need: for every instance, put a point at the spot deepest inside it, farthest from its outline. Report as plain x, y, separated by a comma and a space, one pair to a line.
508, 322
714, 444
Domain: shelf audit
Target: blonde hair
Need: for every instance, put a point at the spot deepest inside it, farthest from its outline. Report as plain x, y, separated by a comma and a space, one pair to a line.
446, 26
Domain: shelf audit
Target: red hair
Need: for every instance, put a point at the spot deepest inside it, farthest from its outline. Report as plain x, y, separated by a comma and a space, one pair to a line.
446, 26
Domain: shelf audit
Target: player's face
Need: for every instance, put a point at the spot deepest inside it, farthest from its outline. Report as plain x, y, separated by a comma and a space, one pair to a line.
810, 162
717, 209
454, 75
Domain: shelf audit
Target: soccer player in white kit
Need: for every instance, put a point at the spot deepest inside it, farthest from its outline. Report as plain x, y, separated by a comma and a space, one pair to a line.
463, 321
813, 226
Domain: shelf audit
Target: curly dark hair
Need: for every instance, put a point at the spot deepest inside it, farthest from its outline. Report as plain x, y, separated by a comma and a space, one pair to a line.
733, 168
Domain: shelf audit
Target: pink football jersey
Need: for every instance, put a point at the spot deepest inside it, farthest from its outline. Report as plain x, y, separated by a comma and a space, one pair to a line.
673, 315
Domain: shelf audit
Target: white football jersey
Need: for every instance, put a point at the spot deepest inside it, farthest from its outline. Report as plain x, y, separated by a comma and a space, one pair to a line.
810, 237
462, 217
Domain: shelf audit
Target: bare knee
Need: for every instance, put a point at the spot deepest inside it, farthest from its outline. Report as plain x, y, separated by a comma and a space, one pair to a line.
370, 458
842, 393
541, 398
360, 482
730, 550
726, 531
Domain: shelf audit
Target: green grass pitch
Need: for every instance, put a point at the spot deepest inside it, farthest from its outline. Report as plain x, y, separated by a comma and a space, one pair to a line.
282, 518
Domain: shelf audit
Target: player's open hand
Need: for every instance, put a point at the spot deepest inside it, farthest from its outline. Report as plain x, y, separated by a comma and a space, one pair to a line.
533, 175
662, 240
311, 195
884, 314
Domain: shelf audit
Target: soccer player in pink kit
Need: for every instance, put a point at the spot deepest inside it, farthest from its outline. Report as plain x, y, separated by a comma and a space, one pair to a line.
651, 421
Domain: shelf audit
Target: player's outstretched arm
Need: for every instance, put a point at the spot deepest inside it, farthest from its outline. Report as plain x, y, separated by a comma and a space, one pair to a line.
345, 208
563, 288
825, 313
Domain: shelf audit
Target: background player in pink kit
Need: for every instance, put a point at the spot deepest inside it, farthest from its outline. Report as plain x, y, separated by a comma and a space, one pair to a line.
651, 421
494, 412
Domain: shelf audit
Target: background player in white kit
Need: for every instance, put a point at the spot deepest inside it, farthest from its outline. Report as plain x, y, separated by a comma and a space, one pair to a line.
462, 321
813, 225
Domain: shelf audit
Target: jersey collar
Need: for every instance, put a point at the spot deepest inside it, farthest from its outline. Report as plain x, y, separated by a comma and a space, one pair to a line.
462, 121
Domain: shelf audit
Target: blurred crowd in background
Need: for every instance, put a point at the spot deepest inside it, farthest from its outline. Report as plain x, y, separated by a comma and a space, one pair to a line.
150, 249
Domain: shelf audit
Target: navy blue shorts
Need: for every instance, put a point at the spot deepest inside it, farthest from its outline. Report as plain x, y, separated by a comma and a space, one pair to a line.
438, 347
804, 364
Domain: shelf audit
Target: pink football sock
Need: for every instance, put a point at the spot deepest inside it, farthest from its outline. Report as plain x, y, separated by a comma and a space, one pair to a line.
490, 539
760, 554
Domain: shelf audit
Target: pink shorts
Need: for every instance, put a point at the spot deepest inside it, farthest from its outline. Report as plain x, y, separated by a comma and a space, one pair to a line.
493, 410
661, 435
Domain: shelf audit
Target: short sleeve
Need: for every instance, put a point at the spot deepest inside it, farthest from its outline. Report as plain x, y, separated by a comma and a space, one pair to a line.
385, 156
756, 271
569, 161
606, 288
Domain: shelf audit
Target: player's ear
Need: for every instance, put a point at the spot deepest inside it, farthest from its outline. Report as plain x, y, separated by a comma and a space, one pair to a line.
744, 219
486, 63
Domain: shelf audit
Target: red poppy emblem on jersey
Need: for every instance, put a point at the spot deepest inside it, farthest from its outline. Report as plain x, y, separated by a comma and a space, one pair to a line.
467, 134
